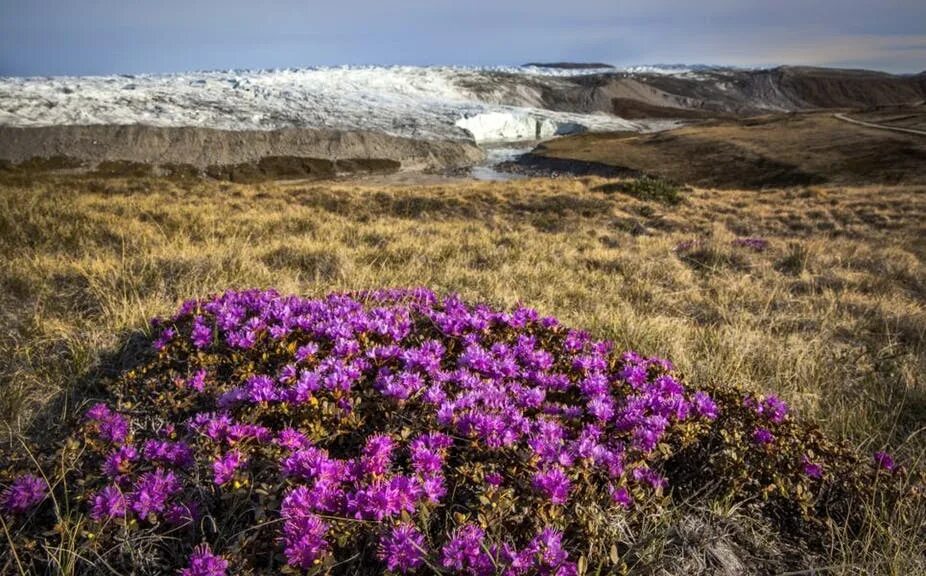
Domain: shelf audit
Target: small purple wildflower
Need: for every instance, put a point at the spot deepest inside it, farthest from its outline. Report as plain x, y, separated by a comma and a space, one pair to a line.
24, 494
465, 551
762, 436
622, 497
224, 467
166, 336
198, 381
377, 455
108, 503
152, 491
111, 426
773, 408
811, 469
202, 334
304, 541
704, 405
402, 548
884, 461
118, 461
494, 479
204, 563
172, 453
554, 484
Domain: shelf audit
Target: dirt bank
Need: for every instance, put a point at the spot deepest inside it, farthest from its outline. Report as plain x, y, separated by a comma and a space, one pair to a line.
203, 147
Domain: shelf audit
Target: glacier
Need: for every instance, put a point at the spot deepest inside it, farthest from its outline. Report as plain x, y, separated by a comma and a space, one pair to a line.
493, 104
494, 127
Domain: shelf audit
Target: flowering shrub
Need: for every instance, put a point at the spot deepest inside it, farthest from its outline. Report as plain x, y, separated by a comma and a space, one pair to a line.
396, 430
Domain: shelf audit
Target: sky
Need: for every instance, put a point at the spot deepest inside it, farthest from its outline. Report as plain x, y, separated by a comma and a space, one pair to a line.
79, 37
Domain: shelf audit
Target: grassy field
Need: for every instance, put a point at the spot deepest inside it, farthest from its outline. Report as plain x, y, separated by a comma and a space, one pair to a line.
763, 152
832, 315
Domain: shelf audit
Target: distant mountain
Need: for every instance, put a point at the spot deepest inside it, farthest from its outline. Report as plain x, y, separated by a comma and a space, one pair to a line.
491, 104
568, 65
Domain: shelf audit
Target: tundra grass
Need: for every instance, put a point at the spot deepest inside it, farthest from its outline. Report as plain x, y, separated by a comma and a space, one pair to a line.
831, 314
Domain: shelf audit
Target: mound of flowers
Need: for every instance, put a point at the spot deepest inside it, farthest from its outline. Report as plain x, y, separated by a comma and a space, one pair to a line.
399, 431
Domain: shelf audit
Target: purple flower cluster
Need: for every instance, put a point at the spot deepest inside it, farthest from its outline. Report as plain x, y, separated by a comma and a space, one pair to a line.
111, 426
510, 382
204, 563
224, 467
365, 413
469, 553
24, 494
403, 549
303, 531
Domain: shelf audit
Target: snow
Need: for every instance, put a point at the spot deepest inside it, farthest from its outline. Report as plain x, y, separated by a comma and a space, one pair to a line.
486, 104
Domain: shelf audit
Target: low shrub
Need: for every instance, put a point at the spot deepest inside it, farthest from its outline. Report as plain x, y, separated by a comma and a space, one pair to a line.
396, 430
652, 189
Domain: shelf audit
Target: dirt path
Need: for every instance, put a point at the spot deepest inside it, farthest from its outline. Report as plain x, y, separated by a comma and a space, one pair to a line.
845, 118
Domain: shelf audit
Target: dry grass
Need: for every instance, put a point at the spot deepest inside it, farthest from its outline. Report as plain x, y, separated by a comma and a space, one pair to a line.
832, 316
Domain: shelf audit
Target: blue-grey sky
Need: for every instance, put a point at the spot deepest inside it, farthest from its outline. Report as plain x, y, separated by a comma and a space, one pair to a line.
51, 37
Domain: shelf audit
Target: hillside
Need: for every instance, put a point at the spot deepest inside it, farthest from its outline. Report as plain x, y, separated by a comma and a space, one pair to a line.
760, 152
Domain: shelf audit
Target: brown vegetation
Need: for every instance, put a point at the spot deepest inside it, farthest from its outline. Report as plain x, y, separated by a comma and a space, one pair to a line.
762, 152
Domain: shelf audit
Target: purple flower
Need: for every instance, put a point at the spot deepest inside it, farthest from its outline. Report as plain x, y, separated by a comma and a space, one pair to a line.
172, 453
202, 334
810, 468
307, 351
304, 541
773, 408
762, 436
118, 461
402, 548
204, 563
152, 491
111, 426
554, 484
377, 455
261, 389
622, 497
224, 467
198, 381
434, 489
704, 405
181, 514
166, 336
884, 461
546, 550
108, 503
494, 479
649, 476
24, 494
465, 551
292, 439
